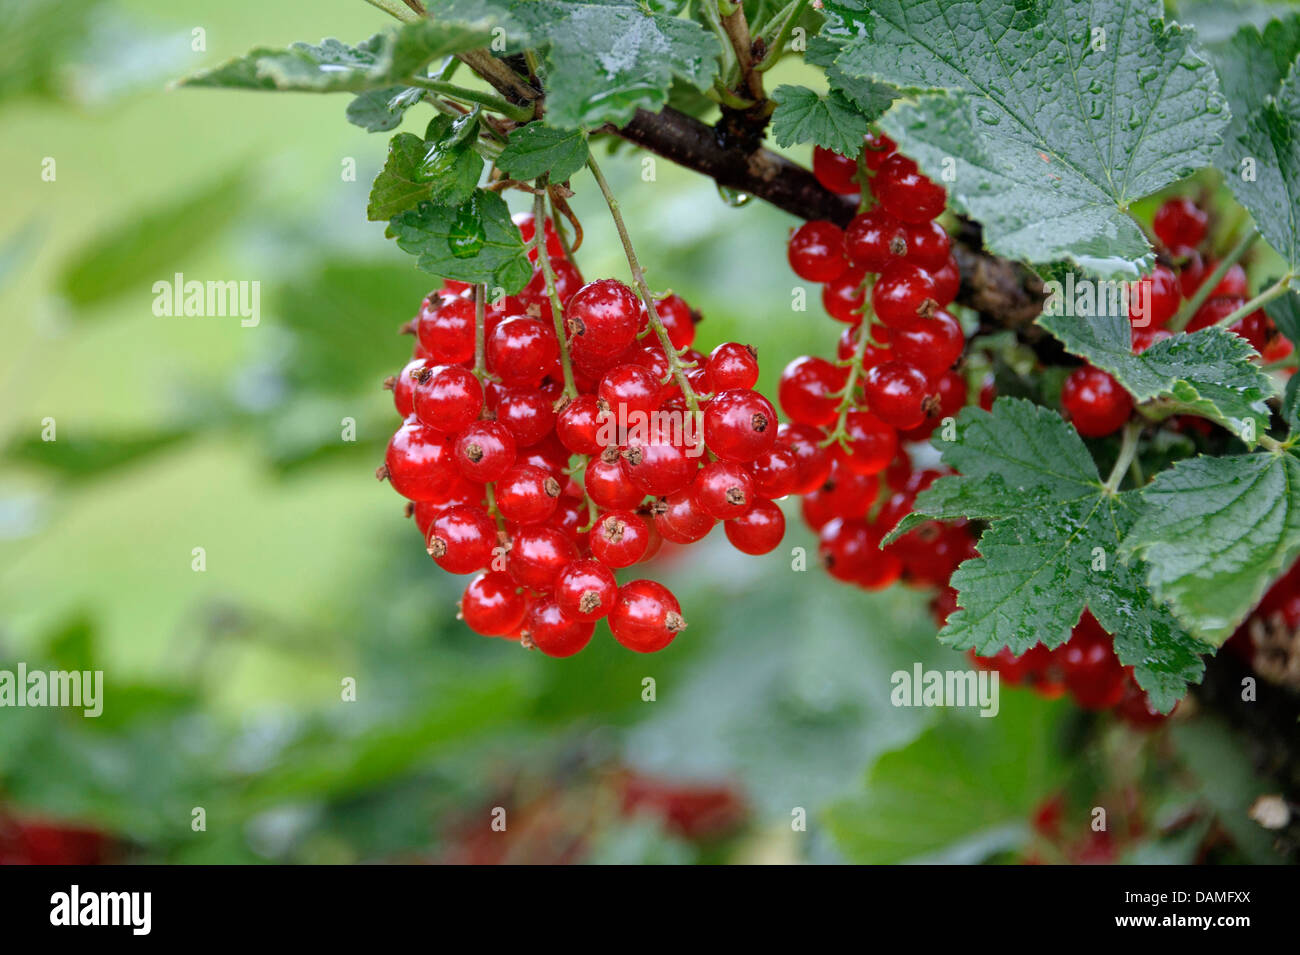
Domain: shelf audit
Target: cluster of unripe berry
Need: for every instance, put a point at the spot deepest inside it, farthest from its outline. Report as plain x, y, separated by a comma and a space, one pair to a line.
1093, 401
888, 277
544, 466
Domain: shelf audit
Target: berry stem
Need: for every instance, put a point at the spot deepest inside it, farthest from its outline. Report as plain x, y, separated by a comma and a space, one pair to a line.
1189, 307
492, 101
1263, 298
480, 332
674, 359
491, 496
544, 263
1127, 450
862, 335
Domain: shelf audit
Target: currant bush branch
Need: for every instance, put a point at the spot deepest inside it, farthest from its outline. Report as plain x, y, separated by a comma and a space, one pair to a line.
1280, 287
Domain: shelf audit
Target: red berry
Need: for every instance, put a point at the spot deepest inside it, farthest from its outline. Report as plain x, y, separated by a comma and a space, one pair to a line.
835, 172
646, 616
947, 282
461, 539
445, 328
527, 226
872, 444
724, 489
521, 350
739, 425
843, 494
816, 251
657, 465
554, 632
585, 590
850, 551
620, 539
1256, 327
1179, 224
603, 316
1092, 672
537, 554
950, 393
814, 460
904, 296
905, 193
447, 399
1196, 271
808, 390
527, 495
896, 393
1213, 310
732, 365
933, 346
493, 605
1155, 300
676, 317
874, 239
527, 414
844, 297
877, 149
578, 425
1095, 402
775, 472
927, 245
607, 482
403, 385
757, 531
629, 391
680, 519
418, 462
484, 451
535, 297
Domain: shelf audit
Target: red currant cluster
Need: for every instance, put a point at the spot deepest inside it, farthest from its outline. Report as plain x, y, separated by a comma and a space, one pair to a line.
893, 381
498, 420
1085, 666
1095, 403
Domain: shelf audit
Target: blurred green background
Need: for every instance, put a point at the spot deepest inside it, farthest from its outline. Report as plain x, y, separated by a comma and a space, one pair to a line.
223, 687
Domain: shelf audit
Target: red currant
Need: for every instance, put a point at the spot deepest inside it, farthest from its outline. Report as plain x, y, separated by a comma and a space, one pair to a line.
578, 425
527, 495
871, 443
607, 482
758, 531
447, 399
585, 590
521, 350
646, 616
1179, 224
816, 251
493, 605
1095, 402
808, 390
835, 172
724, 489
620, 539
904, 295
739, 425
484, 451
775, 472
528, 414
732, 365
461, 539
905, 193
844, 297
933, 346
603, 316
538, 552
418, 462
554, 632
677, 318
896, 392
680, 519
445, 328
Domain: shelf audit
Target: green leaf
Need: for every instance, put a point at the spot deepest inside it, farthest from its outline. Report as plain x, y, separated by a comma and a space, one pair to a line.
129, 256
1285, 312
1215, 532
537, 148
1291, 403
443, 168
381, 110
331, 66
1051, 549
1272, 139
830, 121
1208, 373
85, 457
472, 242
869, 97
964, 788
1048, 130
1251, 64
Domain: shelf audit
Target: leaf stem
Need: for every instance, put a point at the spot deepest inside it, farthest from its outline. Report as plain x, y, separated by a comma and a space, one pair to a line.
557, 311
396, 9
776, 45
737, 27
1189, 307
670, 351
1127, 450
1263, 298
492, 101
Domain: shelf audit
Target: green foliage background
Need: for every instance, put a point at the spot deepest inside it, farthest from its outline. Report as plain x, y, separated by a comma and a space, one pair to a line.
222, 687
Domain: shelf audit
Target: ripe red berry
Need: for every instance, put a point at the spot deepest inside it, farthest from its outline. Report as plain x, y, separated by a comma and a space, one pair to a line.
875, 239
461, 539
835, 172
757, 531
904, 295
1213, 310
521, 350
731, 365
418, 462
739, 425
877, 148
808, 390
620, 539
933, 346
677, 318
947, 282
628, 391
1092, 672
844, 493
1179, 224
949, 395
871, 443
579, 423
536, 298
816, 251
447, 399
538, 552
1196, 271
850, 551
724, 489
1155, 299
680, 519
896, 393
445, 328
927, 245
528, 414
775, 472
646, 616
814, 460
656, 464
586, 589
527, 226
484, 451
603, 316
607, 482
1095, 402
493, 605
844, 297
553, 631
905, 193
403, 385
527, 495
